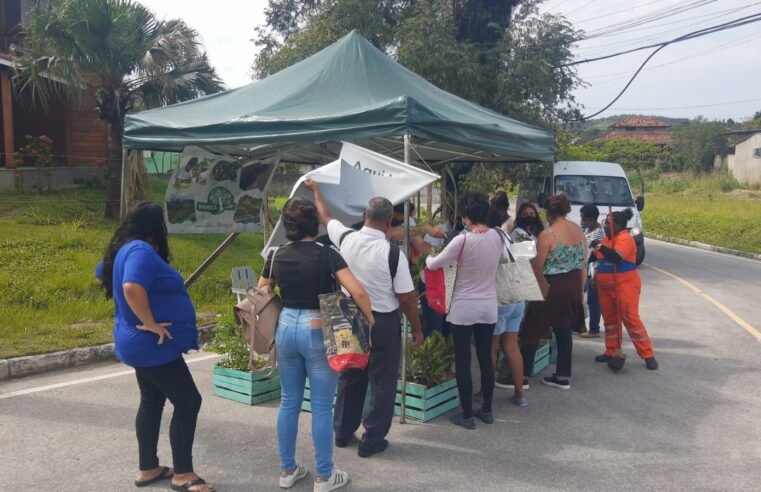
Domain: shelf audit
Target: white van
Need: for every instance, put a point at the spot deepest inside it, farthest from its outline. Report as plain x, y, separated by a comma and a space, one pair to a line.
601, 183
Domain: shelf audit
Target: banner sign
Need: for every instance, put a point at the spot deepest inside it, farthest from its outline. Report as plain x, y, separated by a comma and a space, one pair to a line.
217, 193
350, 182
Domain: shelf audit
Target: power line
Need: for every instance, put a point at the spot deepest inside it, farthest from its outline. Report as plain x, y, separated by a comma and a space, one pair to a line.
728, 103
721, 47
703, 32
692, 35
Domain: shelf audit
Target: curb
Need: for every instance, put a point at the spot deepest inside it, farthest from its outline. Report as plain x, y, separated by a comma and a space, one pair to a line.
704, 246
29, 365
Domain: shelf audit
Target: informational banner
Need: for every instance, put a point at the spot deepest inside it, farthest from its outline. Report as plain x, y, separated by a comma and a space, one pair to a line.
217, 193
350, 182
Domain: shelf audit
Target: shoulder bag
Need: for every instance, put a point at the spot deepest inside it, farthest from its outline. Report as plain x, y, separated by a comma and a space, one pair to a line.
258, 315
515, 279
439, 284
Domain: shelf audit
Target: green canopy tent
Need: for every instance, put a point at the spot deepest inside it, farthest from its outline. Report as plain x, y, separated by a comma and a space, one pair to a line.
348, 91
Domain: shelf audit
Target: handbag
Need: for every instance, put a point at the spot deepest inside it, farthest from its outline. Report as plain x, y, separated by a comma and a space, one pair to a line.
515, 279
345, 329
439, 284
258, 316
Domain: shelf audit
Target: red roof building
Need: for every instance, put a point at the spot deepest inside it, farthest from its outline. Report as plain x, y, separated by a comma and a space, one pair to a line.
649, 130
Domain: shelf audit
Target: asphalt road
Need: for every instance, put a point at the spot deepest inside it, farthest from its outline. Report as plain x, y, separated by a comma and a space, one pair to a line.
692, 425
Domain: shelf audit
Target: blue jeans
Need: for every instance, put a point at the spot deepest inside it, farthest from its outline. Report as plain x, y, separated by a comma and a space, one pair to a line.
300, 354
593, 302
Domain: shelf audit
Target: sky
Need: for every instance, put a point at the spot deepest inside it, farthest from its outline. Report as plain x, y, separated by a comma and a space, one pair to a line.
717, 76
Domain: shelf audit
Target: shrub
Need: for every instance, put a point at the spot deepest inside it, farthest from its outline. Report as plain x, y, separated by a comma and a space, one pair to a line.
38, 152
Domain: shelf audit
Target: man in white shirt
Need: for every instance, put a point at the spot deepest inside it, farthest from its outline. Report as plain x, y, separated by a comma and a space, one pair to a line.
367, 253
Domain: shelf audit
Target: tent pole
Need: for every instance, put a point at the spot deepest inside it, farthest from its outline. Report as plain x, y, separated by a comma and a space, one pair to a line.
208, 261
405, 321
123, 185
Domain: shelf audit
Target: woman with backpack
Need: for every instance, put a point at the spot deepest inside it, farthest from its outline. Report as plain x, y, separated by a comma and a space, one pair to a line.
303, 269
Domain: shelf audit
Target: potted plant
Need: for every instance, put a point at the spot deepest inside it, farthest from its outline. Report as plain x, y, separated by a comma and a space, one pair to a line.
232, 378
431, 388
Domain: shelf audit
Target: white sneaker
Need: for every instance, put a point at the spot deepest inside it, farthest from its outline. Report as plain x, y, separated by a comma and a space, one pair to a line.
288, 481
337, 480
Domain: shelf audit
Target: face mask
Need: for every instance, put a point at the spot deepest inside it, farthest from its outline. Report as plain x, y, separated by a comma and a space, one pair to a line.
525, 222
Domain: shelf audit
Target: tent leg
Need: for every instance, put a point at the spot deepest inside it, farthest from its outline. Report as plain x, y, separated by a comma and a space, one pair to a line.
208, 261
405, 321
123, 185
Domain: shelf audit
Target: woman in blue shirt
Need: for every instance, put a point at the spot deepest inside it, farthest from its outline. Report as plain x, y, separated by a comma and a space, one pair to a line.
154, 324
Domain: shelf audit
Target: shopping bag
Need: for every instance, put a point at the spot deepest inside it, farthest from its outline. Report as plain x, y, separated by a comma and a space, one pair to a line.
345, 332
515, 280
439, 284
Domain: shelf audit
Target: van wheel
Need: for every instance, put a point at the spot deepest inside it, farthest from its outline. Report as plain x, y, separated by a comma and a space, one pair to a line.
640, 253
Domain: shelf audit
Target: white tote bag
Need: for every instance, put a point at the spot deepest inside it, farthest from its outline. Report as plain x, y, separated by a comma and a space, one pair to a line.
516, 281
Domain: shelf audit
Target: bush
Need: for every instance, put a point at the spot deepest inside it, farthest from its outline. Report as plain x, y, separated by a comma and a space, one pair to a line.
228, 341
38, 152
430, 363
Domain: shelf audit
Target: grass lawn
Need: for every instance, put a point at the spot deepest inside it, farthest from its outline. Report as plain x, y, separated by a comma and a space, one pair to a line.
49, 246
722, 219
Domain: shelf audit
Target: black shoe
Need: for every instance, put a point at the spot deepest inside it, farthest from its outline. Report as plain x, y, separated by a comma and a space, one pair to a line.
602, 358
365, 450
342, 443
557, 383
459, 419
485, 417
651, 363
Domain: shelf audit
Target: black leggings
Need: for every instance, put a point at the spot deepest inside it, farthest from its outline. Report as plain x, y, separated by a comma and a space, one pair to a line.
482, 333
564, 340
157, 383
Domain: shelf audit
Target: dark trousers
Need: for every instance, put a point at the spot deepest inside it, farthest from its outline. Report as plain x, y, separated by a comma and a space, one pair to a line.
432, 321
382, 373
482, 335
564, 341
157, 383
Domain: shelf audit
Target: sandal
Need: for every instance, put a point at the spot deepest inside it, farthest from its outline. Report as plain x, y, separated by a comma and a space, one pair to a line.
163, 474
187, 485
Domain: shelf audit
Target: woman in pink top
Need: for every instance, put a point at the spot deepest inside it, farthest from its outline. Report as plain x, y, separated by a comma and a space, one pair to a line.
474, 303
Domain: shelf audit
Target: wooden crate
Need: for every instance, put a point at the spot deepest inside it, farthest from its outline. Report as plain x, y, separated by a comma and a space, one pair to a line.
250, 388
426, 404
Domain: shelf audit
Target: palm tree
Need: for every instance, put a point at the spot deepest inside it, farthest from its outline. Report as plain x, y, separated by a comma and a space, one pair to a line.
121, 49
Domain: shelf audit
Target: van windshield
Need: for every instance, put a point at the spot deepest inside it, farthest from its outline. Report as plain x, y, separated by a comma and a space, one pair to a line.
600, 190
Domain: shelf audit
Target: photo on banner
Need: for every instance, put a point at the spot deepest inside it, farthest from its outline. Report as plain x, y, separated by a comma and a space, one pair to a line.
213, 193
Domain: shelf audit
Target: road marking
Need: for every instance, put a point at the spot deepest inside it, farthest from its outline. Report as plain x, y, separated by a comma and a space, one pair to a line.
721, 307
65, 384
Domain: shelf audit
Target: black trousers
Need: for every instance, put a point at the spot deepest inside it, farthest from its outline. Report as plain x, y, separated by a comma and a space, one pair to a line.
482, 335
382, 373
157, 384
564, 340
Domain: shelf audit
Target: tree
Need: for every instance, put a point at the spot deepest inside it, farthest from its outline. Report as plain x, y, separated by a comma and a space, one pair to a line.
120, 48
475, 49
696, 144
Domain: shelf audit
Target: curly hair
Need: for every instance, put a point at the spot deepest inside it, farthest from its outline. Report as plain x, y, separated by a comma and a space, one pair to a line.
145, 223
300, 219
623, 217
558, 205
475, 207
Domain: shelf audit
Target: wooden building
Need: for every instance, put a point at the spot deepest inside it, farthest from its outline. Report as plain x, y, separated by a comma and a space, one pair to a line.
79, 137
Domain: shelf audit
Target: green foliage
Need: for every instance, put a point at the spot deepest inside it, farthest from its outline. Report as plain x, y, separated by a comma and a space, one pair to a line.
228, 341
38, 151
49, 246
728, 220
696, 144
470, 48
692, 183
430, 363
631, 154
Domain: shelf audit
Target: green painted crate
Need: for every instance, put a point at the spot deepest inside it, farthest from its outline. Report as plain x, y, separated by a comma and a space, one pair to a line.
426, 404
541, 359
306, 405
250, 388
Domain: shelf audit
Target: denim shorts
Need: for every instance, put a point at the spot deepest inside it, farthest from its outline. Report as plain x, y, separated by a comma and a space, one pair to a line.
509, 318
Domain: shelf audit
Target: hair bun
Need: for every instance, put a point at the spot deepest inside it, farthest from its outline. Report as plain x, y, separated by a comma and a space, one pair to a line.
628, 214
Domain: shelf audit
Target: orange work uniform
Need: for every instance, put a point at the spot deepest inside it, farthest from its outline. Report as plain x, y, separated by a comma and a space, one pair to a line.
620, 282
